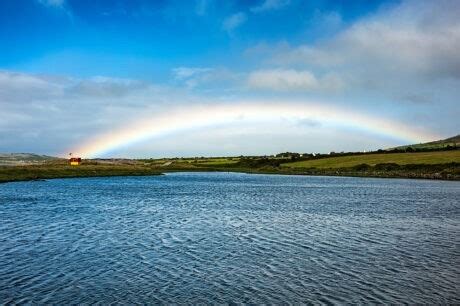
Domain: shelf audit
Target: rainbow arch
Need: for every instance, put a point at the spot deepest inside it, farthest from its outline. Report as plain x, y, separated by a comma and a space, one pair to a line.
202, 116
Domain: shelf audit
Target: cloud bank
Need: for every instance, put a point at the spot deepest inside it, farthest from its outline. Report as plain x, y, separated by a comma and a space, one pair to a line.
417, 39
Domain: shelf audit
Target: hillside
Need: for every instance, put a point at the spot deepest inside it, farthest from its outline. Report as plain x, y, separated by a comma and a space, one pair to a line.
428, 158
433, 145
14, 159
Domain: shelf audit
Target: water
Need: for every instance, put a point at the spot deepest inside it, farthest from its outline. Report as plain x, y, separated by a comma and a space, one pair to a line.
222, 238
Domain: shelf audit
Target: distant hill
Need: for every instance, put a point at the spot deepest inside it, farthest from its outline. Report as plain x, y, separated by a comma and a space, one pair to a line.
9, 159
438, 144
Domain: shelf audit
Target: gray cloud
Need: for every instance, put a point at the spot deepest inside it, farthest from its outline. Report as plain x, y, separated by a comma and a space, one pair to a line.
293, 80
106, 87
49, 113
19, 87
418, 98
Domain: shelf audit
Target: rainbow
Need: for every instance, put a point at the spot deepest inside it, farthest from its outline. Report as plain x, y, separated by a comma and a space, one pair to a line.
203, 116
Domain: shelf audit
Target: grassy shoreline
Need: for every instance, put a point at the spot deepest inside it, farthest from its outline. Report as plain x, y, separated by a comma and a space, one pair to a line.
41, 172
450, 171
440, 165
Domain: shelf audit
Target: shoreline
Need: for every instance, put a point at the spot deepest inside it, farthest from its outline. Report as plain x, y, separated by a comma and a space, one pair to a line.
10, 174
434, 166
149, 172
44, 179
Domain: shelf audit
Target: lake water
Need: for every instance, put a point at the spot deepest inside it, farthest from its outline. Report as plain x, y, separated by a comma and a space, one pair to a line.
223, 238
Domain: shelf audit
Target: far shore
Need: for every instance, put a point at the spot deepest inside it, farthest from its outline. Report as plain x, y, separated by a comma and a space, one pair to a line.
435, 165
51, 171
43, 172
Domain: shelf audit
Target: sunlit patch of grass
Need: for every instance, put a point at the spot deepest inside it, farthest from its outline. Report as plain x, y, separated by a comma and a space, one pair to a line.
439, 157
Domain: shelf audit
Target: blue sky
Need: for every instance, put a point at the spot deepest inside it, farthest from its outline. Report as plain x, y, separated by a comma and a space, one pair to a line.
84, 38
94, 66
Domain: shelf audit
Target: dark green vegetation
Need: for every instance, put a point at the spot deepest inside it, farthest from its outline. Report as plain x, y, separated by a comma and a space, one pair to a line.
434, 160
430, 165
60, 169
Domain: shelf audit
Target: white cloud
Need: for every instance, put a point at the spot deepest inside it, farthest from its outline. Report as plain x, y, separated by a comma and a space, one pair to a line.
193, 77
234, 21
182, 73
268, 5
405, 57
419, 38
292, 80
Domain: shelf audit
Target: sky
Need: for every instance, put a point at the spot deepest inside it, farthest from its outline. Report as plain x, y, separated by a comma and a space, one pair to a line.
173, 78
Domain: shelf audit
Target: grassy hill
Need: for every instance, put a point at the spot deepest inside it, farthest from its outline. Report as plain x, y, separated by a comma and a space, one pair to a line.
13, 159
428, 158
433, 145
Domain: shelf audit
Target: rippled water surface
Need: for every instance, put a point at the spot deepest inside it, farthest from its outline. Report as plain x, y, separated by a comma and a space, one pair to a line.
220, 238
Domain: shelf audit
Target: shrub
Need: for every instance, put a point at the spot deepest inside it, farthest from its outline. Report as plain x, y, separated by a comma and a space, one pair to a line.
387, 166
361, 167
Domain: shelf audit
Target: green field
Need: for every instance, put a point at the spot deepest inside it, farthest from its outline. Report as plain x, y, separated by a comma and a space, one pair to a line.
62, 170
439, 157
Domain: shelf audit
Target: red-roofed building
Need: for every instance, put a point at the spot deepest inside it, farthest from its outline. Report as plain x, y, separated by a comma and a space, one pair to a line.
75, 161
